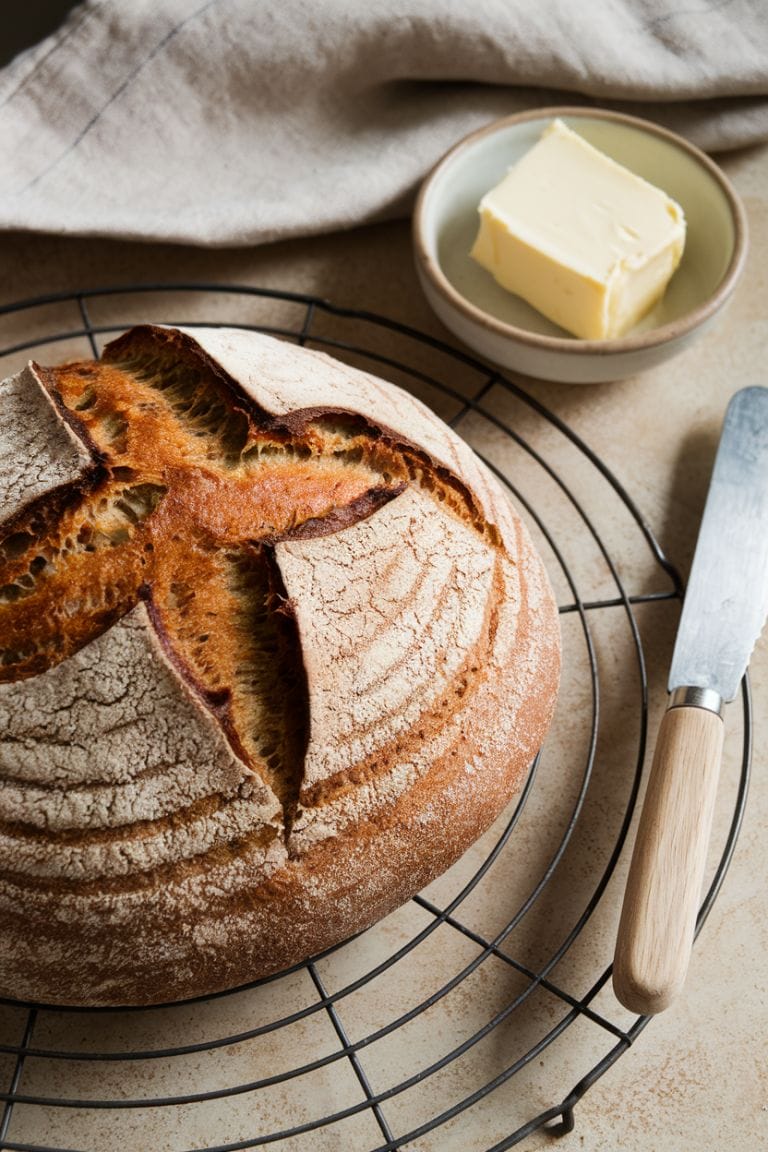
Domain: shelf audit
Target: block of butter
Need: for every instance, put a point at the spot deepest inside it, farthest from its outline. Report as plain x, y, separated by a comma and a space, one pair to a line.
580, 237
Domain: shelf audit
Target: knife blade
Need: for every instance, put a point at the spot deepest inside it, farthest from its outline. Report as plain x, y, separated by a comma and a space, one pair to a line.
724, 610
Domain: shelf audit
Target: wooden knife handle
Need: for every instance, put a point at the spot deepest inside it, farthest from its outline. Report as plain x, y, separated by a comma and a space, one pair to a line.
661, 901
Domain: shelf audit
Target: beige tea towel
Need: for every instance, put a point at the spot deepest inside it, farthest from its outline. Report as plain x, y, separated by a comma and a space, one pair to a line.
230, 122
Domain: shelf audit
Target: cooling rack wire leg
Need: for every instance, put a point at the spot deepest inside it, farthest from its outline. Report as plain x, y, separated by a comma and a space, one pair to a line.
564, 1125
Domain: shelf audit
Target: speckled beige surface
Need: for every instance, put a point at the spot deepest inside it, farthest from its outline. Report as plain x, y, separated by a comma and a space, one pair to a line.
697, 1076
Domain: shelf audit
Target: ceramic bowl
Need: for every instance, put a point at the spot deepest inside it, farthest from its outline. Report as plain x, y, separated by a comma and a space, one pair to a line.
505, 329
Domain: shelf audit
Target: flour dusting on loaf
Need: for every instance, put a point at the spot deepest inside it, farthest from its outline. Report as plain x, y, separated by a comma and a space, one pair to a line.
37, 450
274, 650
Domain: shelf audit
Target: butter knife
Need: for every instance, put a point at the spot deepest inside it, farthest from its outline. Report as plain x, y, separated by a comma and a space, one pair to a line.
725, 606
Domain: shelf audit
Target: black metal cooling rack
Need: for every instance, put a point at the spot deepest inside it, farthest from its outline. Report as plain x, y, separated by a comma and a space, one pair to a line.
56, 1061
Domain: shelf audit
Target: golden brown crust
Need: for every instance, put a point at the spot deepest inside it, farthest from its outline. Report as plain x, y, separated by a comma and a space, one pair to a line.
339, 601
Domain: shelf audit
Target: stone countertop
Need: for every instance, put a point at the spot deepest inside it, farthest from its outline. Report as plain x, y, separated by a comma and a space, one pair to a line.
697, 1077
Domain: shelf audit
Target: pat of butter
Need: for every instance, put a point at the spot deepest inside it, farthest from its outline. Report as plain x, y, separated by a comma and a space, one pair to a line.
581, 238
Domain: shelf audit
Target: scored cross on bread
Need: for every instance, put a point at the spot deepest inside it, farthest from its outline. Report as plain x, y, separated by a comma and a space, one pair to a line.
188, 489
274, 650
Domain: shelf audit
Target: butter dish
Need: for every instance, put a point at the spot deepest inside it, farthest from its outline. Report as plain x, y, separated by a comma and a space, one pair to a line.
505, 328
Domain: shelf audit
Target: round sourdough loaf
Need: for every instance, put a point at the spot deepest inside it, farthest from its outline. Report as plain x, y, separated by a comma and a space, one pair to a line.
274, 650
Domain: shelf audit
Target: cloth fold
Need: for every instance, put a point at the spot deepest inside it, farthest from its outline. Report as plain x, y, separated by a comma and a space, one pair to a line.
229, 122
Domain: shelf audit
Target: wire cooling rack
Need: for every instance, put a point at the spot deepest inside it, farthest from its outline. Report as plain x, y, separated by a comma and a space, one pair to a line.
481, 1011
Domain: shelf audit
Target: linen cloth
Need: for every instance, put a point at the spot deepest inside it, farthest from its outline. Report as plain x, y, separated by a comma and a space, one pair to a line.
231, 122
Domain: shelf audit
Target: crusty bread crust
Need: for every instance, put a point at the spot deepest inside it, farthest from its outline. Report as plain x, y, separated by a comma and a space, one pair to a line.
275, 649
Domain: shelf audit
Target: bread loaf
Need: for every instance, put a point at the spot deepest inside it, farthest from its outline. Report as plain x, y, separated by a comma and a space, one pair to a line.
274, 650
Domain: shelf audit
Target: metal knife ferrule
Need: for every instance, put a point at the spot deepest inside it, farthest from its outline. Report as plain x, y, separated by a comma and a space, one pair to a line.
693, 697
